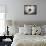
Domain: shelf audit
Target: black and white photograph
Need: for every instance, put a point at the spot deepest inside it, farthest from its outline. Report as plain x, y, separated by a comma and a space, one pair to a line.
30, 9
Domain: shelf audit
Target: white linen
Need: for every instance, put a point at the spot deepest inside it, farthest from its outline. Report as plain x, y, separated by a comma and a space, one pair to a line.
29, 40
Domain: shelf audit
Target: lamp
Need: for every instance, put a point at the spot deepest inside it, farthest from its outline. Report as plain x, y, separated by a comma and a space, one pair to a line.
8, 24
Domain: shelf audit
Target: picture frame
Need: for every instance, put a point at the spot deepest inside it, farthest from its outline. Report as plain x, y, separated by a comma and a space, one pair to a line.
30, 9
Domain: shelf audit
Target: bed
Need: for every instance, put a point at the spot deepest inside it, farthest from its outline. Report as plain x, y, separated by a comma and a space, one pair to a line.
29, 40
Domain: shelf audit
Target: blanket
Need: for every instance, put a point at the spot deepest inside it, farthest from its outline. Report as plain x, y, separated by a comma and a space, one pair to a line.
29, 40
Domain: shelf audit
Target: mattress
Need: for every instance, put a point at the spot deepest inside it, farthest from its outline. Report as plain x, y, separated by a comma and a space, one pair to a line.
28, 40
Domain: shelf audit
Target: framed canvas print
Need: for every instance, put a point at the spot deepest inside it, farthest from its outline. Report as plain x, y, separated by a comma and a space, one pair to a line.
30, 9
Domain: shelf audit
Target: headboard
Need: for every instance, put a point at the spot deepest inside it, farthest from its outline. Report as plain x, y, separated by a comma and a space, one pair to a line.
21, 23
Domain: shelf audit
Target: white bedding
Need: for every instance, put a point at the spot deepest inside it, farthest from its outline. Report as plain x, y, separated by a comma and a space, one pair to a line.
29, 40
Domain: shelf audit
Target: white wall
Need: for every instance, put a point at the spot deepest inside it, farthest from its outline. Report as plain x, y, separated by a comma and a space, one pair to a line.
15, 10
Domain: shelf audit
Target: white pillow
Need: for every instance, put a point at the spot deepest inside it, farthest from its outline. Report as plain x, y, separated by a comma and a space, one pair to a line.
24, 30
21, 30
36, 30
28, 31
28, 26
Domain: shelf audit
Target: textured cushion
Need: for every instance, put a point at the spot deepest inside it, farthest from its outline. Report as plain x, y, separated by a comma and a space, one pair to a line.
36, 30
13, 30
44, 29
44, 26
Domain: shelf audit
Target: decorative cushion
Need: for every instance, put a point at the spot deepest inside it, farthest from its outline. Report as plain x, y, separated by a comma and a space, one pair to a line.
36, 30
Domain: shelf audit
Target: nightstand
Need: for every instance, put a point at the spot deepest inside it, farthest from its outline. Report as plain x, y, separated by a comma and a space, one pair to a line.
7, 43
6, 40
